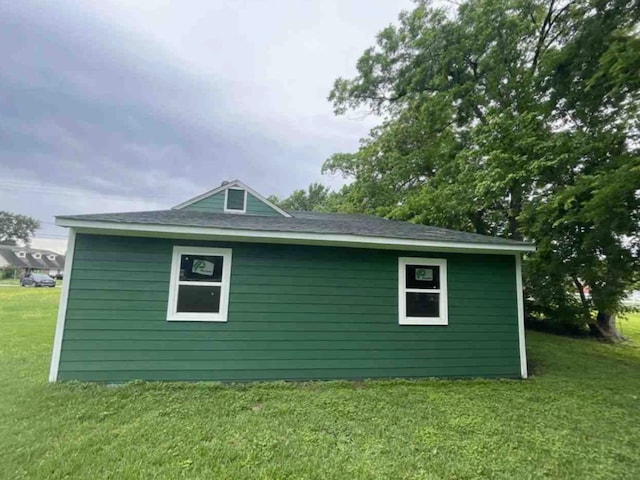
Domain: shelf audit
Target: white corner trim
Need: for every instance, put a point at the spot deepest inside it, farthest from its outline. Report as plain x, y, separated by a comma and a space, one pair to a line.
443, 317
296, 238
520, 299
226, 200
62, 307
172, 305
234, 184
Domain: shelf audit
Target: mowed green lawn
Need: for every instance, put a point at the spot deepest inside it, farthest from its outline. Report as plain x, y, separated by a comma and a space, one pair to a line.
577, 417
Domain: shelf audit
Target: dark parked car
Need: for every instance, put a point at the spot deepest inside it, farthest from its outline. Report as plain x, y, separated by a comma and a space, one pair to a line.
37, 280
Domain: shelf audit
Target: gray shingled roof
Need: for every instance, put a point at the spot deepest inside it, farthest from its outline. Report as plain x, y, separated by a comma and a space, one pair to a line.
301, 222
10, 254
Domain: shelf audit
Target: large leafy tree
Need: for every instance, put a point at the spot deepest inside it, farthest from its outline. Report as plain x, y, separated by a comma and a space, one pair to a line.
511, 117
14, 228
315, 198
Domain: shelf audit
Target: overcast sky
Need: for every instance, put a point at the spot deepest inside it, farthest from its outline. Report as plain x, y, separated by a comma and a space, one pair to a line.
120, 105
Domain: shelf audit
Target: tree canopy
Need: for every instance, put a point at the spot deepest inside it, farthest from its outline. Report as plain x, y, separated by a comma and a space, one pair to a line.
516, 118
315, 198
14, 228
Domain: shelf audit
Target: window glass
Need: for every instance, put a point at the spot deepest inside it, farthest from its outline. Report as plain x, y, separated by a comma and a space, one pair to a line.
422, 291
423, 304
423, 277
199, 286
40, 276
235, 199
199, 298
200, 268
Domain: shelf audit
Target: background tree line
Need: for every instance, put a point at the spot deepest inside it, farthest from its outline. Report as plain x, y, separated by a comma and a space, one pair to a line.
16, 228
516, 118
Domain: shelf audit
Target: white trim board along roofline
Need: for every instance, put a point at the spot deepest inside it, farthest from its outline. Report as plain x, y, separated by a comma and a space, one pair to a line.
237, 184
297, 238
62, 308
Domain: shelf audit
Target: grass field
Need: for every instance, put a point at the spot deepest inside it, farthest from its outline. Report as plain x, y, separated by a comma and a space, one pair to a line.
577, 417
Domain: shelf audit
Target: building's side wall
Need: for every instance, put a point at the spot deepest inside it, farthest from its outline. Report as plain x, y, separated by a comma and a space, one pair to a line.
295, 312
215, 204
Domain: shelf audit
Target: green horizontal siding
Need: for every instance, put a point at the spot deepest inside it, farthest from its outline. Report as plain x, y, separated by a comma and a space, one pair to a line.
294, 313
284, 318
306, 326
258, 207
210, 204
215, 204
251, 355
276, 336
289, 374
274, 348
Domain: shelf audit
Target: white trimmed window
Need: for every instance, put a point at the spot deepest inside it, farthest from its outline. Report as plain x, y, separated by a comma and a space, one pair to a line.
235, 200
199, 286
51, 257
37, 256
422, 291
21, 254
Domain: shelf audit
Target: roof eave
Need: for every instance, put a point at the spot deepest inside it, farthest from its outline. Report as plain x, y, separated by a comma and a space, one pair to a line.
298, 238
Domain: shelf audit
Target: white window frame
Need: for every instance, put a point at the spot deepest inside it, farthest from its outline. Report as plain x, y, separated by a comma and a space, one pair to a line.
37, 256
51, 257
226, 201
443, 317
21, 254
175, 282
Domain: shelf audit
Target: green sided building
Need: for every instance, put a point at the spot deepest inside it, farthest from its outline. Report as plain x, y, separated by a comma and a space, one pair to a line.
229, 287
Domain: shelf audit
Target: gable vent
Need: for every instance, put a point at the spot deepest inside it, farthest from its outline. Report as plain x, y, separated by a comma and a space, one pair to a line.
235, 200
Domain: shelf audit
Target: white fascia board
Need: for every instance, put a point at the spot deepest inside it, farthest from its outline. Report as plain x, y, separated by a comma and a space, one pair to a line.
521, 335
297, 238
234, 184
62, 308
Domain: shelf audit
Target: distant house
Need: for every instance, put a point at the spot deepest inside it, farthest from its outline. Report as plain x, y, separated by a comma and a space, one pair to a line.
228, 286
24, 259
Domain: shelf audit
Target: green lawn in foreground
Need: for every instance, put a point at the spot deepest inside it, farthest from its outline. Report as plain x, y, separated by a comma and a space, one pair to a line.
577, 417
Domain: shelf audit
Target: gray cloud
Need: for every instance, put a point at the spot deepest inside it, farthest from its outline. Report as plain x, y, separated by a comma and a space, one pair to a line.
143, 104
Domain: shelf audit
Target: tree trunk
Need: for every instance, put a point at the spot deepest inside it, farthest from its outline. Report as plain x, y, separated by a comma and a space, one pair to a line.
580, 288
515, 208
605, 327
478, 222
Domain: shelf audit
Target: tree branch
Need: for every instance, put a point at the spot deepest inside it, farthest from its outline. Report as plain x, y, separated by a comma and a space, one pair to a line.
548, 23
544, 30
580, 288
